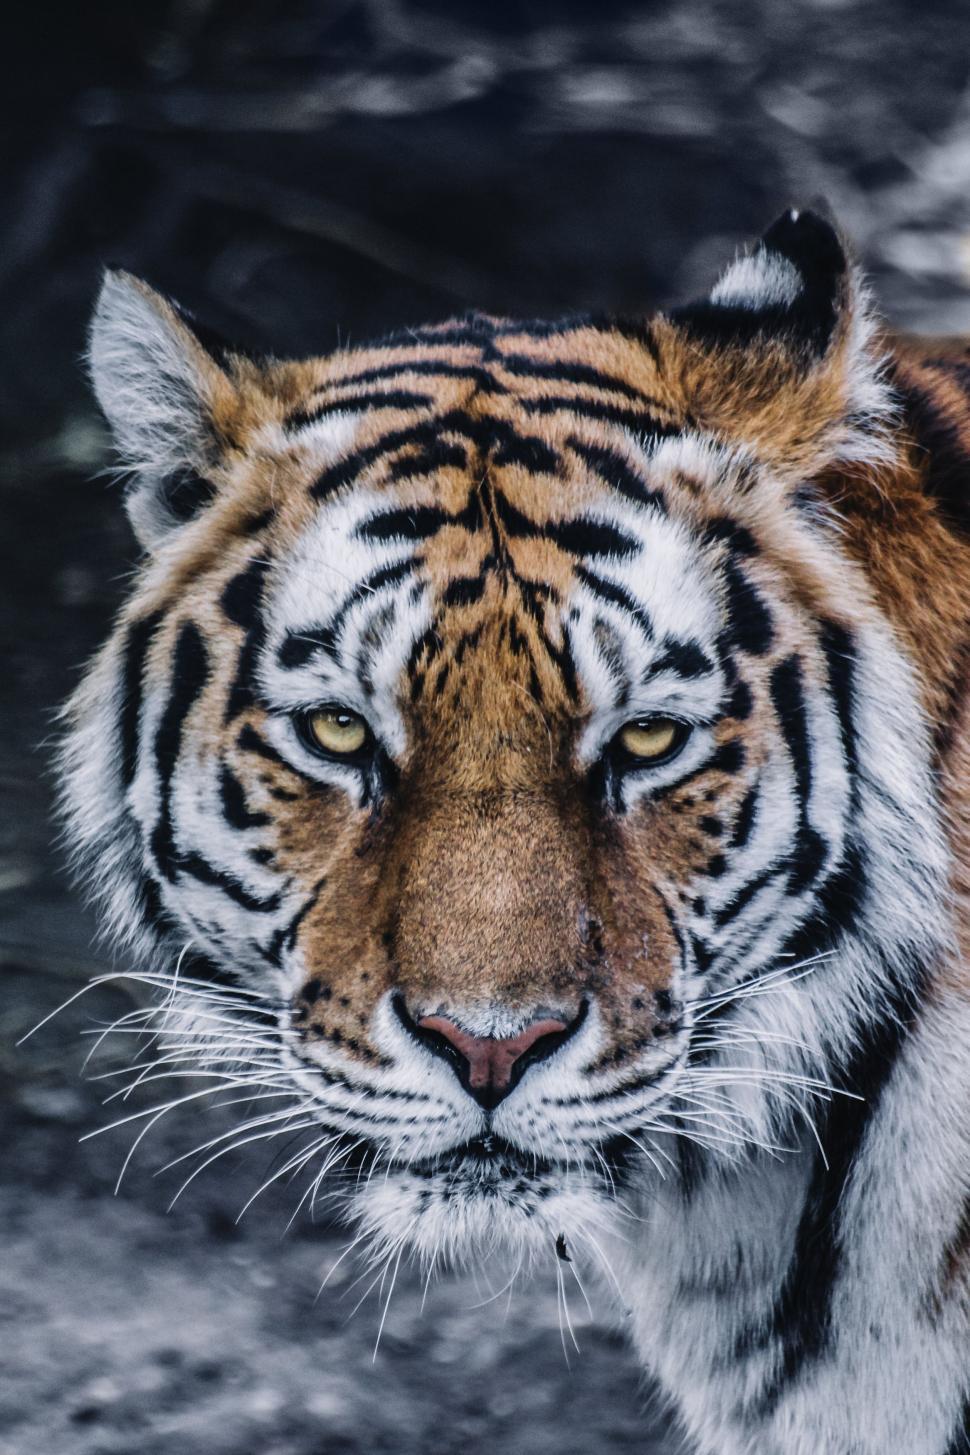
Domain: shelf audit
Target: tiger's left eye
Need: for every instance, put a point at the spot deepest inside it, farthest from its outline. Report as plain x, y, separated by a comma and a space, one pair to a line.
652, 739
337, 731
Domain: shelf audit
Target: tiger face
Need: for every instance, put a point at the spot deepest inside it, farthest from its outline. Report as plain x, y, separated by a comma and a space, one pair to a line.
482, 721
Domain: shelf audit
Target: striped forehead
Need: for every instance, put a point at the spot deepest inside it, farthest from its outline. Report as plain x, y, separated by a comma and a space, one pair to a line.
345, 611
380, 569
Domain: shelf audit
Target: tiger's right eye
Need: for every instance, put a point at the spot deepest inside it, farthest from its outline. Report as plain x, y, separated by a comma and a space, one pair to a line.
337, 731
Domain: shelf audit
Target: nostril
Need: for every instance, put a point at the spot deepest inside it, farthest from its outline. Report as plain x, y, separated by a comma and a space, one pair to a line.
490, 1061
489, 1067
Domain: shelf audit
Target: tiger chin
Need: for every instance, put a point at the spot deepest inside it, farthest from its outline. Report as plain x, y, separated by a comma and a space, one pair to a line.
531, 763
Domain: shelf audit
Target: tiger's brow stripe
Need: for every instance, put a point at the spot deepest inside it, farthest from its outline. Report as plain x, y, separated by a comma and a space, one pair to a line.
615, 595
298, 647
684, 658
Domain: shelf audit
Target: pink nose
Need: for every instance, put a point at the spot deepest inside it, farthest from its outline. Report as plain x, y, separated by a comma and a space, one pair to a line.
488, 1061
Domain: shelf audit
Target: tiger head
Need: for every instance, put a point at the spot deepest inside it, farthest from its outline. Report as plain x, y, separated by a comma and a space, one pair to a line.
497, 709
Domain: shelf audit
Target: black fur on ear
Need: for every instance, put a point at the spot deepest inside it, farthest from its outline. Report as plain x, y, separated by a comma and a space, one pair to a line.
793, 286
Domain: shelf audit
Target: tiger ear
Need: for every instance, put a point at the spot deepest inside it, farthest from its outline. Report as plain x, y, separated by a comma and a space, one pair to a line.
167, 400
792, 286
781, 356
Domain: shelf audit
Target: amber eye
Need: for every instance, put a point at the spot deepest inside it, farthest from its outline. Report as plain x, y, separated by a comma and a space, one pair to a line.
649, 739
336, 730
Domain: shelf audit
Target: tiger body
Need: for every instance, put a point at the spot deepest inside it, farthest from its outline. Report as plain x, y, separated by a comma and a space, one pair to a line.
730, 978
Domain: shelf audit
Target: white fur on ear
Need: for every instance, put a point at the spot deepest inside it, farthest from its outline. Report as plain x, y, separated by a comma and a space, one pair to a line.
154, 381
761, 280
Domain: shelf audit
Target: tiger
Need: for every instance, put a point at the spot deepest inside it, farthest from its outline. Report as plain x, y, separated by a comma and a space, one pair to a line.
531, 762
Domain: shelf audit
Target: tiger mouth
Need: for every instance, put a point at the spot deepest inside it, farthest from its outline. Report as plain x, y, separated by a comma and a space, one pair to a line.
485, 1159
491, 1163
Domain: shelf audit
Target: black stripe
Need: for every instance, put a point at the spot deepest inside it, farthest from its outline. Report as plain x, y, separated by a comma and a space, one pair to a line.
740, 702
433, 455
135, 652
583, 536
941, 434
744, 822
255, 523
474, 328
614, 470
251, 742
410, 523
242, 602
530, 453
684, 658
802, 1316
637, 329
242, 595
617, 596
234, 804
198, 868
728, 758
563, 658
737, 537
464, 591
745, 895
563, 371
345, 471
150, 904
190, 673
508, 446
375, 399
840, 660
641, 421
445, 368
285, 938
298, 647
788, 699
749, 620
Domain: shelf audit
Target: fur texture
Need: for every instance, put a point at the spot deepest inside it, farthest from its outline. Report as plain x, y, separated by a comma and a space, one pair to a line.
498, 543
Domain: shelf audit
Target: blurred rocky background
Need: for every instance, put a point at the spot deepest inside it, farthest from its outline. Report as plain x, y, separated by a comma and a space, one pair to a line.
300, 173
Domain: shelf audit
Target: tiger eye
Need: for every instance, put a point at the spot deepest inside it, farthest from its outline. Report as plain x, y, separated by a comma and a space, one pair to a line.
649, 737
336, 731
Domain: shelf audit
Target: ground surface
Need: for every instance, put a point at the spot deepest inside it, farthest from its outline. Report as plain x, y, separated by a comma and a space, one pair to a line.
299, 172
